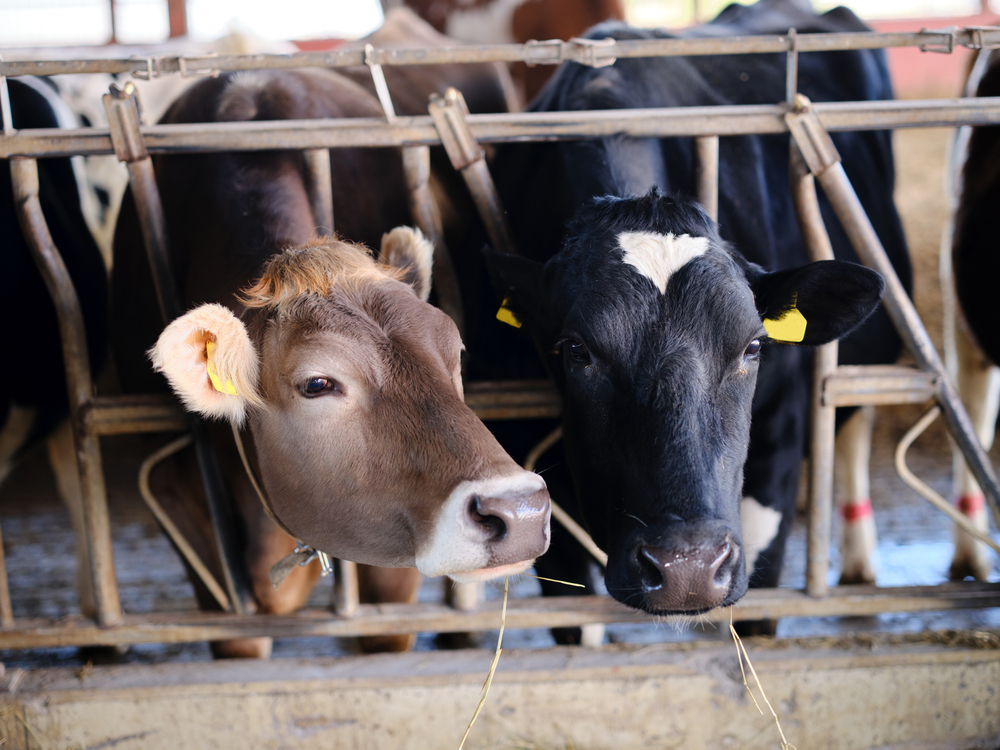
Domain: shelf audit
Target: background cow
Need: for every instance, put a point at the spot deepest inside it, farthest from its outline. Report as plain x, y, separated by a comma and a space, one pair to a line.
657, 373
226, 214
973, 347
33, 396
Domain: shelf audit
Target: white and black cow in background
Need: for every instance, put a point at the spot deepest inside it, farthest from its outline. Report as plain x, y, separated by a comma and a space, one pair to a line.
973, 348
33, 396
684, 425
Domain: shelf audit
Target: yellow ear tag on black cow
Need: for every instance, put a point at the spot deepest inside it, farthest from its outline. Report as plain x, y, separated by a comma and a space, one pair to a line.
213, 375
506, 315
789, 328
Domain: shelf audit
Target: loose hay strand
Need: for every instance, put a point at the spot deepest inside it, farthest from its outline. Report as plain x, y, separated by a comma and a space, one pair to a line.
556, 580
741, 654
485, 691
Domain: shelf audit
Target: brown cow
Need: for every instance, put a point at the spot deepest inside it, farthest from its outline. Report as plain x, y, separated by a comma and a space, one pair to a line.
348, 383
515, 21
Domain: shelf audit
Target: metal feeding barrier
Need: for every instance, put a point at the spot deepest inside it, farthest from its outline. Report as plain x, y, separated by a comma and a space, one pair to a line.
813, 158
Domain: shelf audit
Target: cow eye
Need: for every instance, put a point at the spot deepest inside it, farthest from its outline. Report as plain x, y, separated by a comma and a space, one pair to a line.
752, 350
577, 351
314, 387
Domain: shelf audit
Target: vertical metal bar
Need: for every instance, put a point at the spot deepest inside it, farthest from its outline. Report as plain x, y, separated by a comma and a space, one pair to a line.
417, 166
6, 610
123, 118
345, 587
706, 173
792, 67
822, 418
319, 183
24, 176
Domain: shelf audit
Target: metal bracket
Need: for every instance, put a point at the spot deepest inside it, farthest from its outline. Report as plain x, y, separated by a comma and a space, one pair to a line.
124, 120
541, 53
152, 68
945, 49
449, 113
978, 40
595, 53
811, 137
183, 62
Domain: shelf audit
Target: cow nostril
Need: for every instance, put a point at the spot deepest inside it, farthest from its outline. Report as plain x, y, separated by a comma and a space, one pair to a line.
723, 571
493, 524
650, 573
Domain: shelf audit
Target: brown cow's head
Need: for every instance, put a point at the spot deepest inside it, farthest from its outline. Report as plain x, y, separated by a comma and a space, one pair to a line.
351, 386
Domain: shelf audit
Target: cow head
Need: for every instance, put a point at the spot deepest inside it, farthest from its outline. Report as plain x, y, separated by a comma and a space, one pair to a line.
654, 328
351, 386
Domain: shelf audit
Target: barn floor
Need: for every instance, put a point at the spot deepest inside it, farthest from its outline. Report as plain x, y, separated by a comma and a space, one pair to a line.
914, 548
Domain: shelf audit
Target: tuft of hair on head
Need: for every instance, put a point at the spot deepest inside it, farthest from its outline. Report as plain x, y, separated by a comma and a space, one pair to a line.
314, 268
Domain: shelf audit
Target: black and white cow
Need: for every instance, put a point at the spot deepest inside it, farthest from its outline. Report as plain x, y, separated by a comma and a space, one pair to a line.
684, 423
33, 396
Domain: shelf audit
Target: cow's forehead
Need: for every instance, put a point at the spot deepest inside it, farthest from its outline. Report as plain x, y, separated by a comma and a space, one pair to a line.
658, 256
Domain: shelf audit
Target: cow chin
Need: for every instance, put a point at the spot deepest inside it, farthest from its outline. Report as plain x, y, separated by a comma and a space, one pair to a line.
490, 574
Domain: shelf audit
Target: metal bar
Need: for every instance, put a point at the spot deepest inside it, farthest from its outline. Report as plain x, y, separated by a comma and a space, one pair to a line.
706, 174
123, 116
548, 53
824, 162
345, 588
542, 612
857, 385
450, 115
822, 417
506, 128
6, 610
319, 183
24, 177
424, 209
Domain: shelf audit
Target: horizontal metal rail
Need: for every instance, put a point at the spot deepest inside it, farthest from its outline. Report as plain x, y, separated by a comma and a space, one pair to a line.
496, 128
536, 612
550, 52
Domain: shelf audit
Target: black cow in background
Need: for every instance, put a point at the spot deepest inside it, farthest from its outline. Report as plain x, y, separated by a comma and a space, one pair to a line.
678, 409
33, 397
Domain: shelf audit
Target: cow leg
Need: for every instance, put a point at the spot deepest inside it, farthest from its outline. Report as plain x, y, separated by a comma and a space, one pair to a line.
859, 538
979, 384
62, 458
380, 585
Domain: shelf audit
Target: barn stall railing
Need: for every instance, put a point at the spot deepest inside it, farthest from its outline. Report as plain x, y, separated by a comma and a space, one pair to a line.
97, 416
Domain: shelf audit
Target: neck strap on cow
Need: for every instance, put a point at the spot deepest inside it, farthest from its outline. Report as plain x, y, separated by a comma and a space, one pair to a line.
303, 553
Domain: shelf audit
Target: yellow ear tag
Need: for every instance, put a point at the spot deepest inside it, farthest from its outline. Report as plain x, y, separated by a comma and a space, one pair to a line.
790, 327
506, 315
213, 375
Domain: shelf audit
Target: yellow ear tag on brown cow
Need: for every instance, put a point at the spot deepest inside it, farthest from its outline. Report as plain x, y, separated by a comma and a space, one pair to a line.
789, 328
506, 315
213, 375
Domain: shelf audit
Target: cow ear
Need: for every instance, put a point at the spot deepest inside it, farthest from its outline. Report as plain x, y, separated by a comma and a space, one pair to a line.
408, 250
817, 303
517, 283
210, 362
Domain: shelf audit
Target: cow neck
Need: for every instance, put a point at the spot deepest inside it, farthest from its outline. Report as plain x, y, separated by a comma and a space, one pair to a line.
303, 553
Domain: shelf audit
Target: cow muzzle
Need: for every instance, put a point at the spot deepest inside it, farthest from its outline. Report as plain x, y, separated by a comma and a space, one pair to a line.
680, 573
489, 528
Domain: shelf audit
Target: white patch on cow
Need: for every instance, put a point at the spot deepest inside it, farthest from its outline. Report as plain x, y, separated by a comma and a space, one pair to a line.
456, 547
658, 256
489, 24
760, 527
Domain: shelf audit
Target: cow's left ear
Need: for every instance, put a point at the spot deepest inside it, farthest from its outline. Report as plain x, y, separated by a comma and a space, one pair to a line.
517, 283
408, 250
817, 303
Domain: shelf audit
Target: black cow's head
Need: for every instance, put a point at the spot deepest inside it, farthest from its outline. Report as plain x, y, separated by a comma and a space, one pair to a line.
653, 328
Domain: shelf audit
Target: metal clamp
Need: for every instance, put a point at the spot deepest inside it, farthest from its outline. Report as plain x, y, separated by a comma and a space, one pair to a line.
592, 52
123, 119
541, 53
449, 113
978, 40
945, 49
152, 68
209, 72
811, 137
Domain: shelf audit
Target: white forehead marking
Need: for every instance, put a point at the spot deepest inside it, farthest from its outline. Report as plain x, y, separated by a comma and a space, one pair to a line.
657, 256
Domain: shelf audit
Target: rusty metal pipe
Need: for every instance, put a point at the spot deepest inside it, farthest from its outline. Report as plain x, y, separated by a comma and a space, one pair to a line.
24, 177
822, 416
